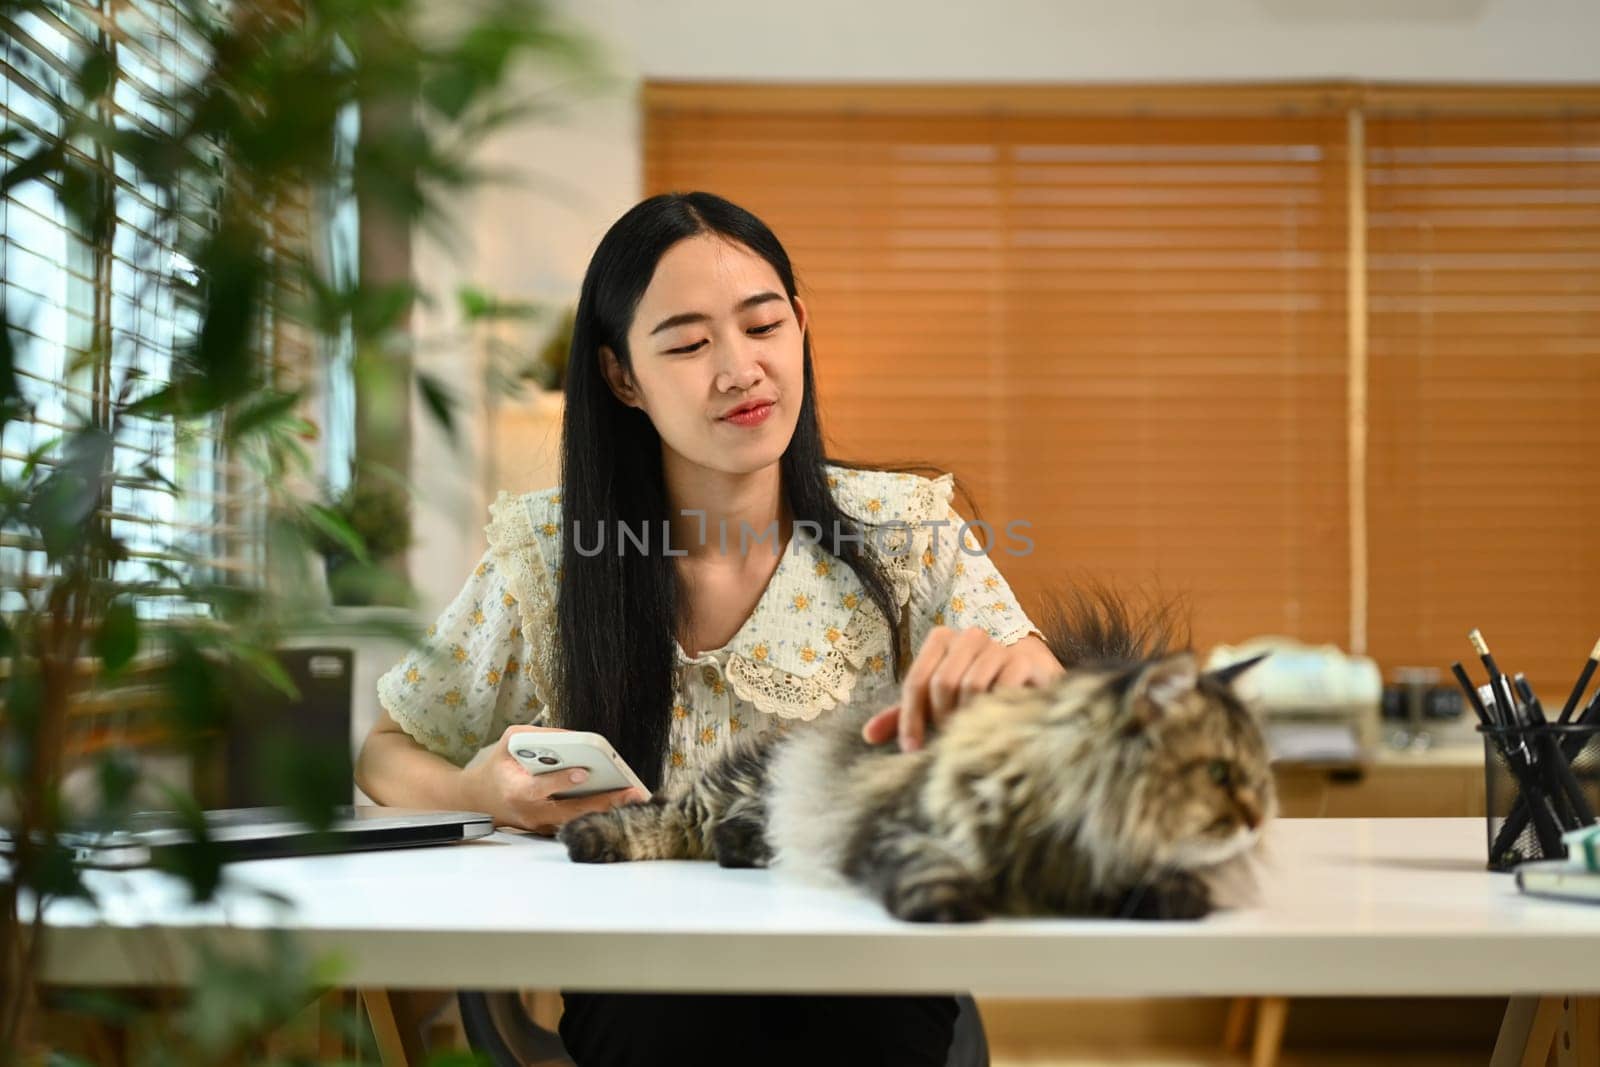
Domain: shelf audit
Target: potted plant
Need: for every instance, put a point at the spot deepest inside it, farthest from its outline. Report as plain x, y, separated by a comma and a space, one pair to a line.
549, 368
373, 528
524, 423
199, 177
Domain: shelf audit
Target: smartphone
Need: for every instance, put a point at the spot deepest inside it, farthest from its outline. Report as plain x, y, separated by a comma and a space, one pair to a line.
564, 751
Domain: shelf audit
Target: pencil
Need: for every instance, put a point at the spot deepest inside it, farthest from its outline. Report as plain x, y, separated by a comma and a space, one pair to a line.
1583, 683
1545, 812
1589, 713
1568, 795
1566, 750
1467, 687
1535, 709
1498, 681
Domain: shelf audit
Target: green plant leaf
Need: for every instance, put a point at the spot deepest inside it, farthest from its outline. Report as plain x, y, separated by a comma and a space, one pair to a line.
170, 399
40, 162
477, 305
311, 780
96, 1003
223, 361
118, 774
65, 499
441, 405
24, 697
198, 703
118, 638
379, 310
264, 413
198, 863
264, 666
11, 398
153, 473
95, 73
66, 1059
334, 531
89, 199
367, 584
56, 872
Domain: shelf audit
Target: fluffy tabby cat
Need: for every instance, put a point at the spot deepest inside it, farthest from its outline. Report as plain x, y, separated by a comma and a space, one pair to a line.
1115, 791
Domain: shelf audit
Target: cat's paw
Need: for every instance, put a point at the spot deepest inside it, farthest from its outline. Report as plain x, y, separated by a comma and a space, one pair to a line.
593, 838
1180, 895
942, 900
740, 843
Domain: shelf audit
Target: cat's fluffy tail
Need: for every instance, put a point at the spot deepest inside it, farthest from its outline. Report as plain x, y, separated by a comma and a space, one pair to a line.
1090, 623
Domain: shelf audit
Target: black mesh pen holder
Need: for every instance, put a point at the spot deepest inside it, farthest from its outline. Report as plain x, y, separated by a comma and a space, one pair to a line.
1539, 782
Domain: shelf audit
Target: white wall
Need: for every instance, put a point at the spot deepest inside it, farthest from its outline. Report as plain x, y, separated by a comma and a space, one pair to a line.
1139, 40
534, 242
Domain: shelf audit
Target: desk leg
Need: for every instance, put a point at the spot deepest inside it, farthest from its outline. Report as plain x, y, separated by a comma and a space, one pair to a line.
1578, 1039
314, 1031
1524, 1018
1272, 1013
399, 1045
1537, 1030
1240, 1011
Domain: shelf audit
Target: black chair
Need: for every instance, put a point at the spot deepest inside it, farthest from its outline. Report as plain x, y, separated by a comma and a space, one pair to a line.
497, 1025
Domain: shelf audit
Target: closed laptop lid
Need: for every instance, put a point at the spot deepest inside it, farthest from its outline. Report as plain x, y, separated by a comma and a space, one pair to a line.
263, 833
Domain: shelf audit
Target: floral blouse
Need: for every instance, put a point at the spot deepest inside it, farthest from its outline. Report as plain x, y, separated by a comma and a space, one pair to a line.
814, 641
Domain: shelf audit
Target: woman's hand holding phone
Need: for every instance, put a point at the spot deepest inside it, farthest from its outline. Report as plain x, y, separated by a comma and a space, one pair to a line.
496, 783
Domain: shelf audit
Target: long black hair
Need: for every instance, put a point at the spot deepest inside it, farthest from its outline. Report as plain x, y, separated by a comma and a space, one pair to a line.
618, 611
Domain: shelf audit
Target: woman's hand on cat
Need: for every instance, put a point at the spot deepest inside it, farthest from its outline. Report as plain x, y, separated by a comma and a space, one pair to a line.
496, 783
952, 666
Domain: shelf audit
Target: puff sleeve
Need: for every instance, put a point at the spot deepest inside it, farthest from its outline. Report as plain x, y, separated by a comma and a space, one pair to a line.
960, 587
465, 682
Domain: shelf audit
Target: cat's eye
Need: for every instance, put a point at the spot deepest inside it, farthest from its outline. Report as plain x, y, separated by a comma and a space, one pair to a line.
1219, 770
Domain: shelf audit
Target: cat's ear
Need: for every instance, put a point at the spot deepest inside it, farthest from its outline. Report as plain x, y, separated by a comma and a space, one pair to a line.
1226, 675
1159, 688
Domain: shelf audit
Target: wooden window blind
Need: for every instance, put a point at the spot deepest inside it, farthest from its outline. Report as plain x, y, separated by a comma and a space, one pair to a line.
1484, 268
1120, 320
135, 297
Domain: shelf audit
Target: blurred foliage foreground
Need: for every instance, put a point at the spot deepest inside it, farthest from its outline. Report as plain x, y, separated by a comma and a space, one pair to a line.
245, 147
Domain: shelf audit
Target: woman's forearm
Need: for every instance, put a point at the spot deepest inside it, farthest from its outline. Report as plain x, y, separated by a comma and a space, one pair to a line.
394, 770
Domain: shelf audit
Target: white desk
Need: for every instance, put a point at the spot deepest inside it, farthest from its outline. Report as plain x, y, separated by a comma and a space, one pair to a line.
1349, 907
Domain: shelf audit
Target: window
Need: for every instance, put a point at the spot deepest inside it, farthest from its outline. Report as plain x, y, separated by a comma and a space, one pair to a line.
340, 238
178, 501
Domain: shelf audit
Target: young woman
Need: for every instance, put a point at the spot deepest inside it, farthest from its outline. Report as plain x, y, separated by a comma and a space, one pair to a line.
702, 542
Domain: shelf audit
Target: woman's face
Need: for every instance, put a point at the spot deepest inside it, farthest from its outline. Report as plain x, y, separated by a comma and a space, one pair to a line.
715, 335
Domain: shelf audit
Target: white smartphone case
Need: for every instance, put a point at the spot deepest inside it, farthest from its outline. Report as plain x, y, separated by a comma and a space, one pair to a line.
561, 753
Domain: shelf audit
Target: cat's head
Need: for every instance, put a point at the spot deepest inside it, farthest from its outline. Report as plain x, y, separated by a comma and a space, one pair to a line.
1196, 786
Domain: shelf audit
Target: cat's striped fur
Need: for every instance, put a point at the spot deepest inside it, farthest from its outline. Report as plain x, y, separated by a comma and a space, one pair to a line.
1113, 791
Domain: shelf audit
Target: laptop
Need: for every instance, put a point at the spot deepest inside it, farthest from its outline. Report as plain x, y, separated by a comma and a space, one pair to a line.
267, 833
